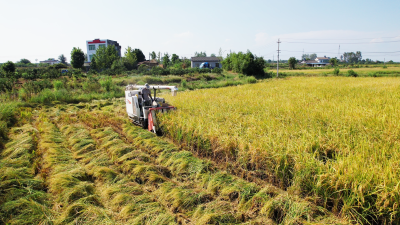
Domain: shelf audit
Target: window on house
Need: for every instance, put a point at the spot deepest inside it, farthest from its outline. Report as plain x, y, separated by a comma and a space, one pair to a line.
90, 57
92, 47
102, 45
217, 65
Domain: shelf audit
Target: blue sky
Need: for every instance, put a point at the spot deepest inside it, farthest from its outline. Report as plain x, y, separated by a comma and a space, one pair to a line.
45, 29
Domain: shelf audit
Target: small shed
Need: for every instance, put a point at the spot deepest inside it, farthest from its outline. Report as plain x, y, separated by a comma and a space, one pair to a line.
213, 61
149, 63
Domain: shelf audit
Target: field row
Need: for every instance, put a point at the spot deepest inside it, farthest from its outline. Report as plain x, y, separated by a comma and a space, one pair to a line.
332, 139
112, 172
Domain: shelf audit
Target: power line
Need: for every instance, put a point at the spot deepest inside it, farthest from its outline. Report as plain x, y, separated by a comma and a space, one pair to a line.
340, 39
352, 43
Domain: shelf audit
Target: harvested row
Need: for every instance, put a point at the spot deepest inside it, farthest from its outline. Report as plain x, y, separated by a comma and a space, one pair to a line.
244, 201
179, 197
22, 196
251, 201
74, 194
127, 200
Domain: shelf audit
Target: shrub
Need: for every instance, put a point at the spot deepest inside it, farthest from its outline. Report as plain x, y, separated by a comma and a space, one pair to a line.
58, 84
106, 84
336, 71
184, 83
352, 73
384, 67
251, 80
6, 85
217, 70
91, 84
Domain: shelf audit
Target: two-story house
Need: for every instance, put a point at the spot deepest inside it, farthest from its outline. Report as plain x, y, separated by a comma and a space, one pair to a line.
93, 45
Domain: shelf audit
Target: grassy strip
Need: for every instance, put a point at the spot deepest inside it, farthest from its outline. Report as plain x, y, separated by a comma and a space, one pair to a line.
22, 199
73, 191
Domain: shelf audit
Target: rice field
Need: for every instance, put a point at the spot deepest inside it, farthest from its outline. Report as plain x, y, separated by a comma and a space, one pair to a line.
331, 140
87, 164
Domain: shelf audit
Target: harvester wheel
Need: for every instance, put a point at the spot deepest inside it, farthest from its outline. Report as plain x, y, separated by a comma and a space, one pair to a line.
145, 124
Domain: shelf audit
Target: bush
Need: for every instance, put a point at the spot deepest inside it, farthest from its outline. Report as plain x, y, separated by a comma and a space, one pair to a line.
91, 84
251, 80
58, 85
106, 84
6, 85
184, 83
352, 73
217, 70
336, 71
384, 67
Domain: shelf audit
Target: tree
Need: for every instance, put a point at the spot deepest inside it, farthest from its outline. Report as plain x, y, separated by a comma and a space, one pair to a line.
105, 56
174, 59
153, 55
213, 55
186, 63
24, 61
62, 59
313, 56
77, 58
200, 54
245, 63
351, 57
139, 55
159, 57
130, 60
333, 61
8, 67
165, 60
292, 62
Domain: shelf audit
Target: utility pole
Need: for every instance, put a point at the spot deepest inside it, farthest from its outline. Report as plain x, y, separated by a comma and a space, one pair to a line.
277, 65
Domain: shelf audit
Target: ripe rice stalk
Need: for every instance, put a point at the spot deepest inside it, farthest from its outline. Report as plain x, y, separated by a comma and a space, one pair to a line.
333, 139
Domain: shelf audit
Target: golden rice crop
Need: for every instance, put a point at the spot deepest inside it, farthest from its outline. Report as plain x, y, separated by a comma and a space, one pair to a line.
333, 139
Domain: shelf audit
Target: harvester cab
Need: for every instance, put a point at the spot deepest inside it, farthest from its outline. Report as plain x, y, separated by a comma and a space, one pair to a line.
142, 107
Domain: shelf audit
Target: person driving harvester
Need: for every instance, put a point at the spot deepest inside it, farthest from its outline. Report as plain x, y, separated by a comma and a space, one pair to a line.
146, 93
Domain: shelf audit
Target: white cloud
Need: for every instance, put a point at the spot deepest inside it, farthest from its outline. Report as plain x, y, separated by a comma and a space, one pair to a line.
186, 34
227, 40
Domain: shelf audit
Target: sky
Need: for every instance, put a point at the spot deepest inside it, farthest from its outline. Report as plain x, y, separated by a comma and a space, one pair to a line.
43, 29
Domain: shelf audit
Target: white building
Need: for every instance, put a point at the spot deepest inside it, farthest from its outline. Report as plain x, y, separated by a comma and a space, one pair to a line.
93, 45
213, 61
51, 61
322, 59
318, 62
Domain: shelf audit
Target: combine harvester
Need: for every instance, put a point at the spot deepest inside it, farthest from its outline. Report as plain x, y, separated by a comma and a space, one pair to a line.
142, 107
